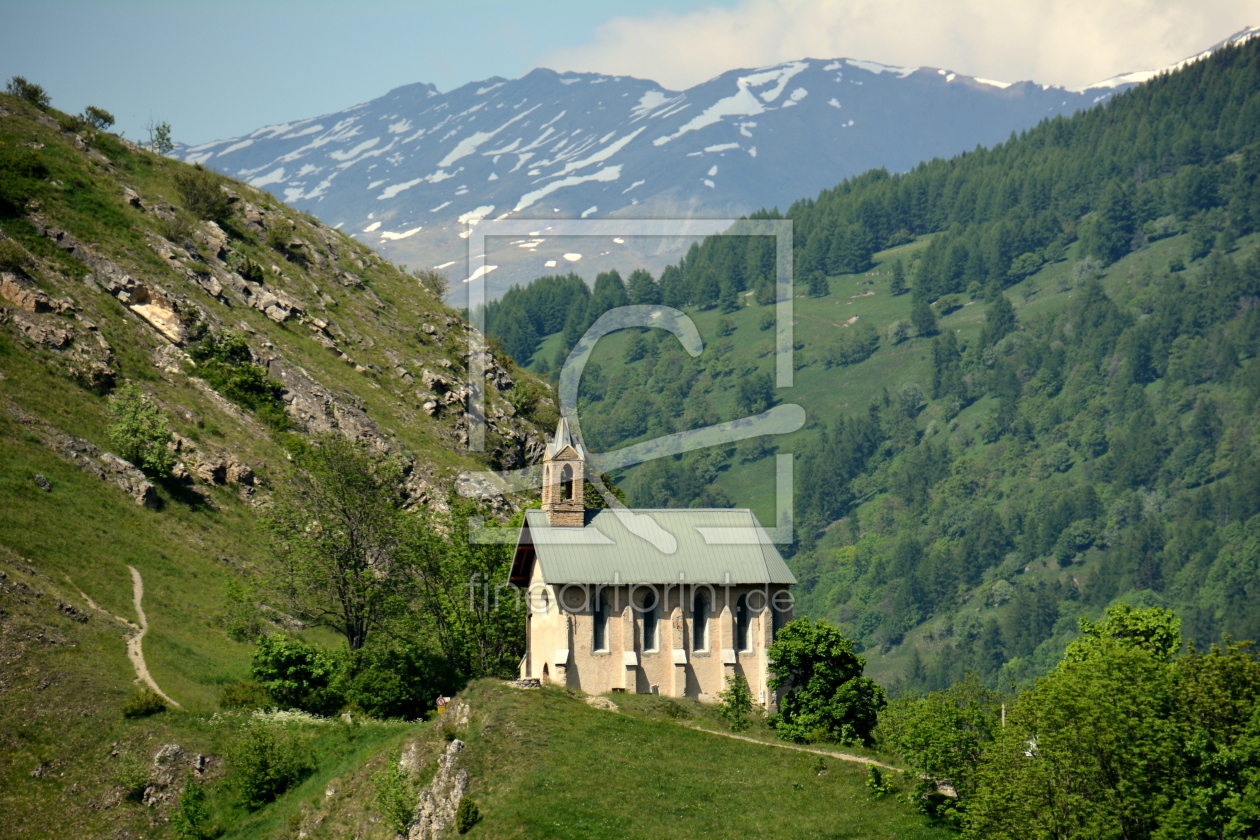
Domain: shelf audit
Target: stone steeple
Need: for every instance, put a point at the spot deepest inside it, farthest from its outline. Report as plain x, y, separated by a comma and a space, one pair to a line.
564, 480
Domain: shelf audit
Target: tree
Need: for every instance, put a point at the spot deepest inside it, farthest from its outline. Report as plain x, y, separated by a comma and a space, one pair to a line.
828, 698
139, 430
97, 118
464, 602
35, 94
818, 285
755, 394
999, 321
736, 703
160, 137
1154, 629
945, 734
335, 531
642, 288
923, 318
898, 285
1091, 751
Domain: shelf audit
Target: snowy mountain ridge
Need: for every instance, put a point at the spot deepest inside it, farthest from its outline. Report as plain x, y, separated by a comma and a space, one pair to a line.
408, 171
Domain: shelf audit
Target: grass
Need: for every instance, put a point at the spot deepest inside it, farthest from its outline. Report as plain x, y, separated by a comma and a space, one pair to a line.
543, 764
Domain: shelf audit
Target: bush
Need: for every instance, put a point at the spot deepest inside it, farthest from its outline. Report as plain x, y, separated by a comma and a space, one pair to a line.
297, 675
139, 431
876, 782
850, 345
736, 703
394, 795
202, 196
132, 775
466, 815
97, 118
191, 820
394, 679
29, 91
265, 762
244, 694
144, 702
13, 257
224, 362
434, 282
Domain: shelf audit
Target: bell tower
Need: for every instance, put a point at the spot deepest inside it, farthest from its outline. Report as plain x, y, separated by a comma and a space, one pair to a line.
564, 480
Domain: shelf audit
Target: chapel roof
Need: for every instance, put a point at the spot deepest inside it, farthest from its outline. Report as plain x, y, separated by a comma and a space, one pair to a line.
696, 545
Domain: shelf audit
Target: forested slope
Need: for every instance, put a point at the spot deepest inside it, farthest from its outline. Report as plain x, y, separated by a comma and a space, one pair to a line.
1030, 375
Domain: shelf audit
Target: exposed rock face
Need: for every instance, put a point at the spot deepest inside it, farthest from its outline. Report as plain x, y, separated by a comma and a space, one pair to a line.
436, 809
85, 354
104, 465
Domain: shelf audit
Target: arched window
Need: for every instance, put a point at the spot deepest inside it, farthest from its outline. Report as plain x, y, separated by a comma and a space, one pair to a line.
649, 621
699, 622
599, 637
566, 483
776, 619
741, 623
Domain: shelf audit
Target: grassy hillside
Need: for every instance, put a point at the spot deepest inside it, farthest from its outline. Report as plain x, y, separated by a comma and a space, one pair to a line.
120, 266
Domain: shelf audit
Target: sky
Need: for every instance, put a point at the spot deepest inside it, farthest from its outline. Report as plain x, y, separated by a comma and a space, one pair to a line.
221, 69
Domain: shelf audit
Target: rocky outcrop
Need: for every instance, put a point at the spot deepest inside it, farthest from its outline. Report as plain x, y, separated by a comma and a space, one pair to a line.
83, 352
104, 465
435, 811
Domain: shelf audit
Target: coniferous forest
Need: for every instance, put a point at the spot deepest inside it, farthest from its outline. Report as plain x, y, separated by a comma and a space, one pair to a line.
1056, 459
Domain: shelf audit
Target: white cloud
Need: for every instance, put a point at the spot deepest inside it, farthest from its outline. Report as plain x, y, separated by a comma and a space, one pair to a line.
1063, 42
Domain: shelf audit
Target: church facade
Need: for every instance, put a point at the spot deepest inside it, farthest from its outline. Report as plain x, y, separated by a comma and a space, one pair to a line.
670, 602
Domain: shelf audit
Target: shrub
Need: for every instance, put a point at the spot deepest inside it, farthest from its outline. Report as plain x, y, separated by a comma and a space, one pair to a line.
244, 694
191, 820
139, 431
224, 362
393, 679
245, 267
466, 815
97, 118
876, 782
202, 196
434, 282
829, 697
394, 795
850, 345
13, 257
265, 762
279, 234
29, 91
144, 702
736, 703
297, 675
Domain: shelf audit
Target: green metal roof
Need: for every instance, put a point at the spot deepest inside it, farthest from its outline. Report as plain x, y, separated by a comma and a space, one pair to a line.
697, 545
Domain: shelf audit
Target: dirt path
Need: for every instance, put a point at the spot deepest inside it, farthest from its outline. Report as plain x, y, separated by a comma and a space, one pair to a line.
831, 753
135, 652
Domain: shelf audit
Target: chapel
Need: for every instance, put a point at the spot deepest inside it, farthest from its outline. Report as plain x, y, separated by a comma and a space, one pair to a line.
671, 602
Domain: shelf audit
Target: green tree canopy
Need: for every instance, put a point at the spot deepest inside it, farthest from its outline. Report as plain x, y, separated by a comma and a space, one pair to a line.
828, 698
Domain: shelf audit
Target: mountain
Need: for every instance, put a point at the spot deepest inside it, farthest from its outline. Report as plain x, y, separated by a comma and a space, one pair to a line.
404, 172
1030, 376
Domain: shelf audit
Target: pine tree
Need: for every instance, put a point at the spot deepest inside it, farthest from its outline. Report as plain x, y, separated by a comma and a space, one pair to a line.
898, 285
923, 318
